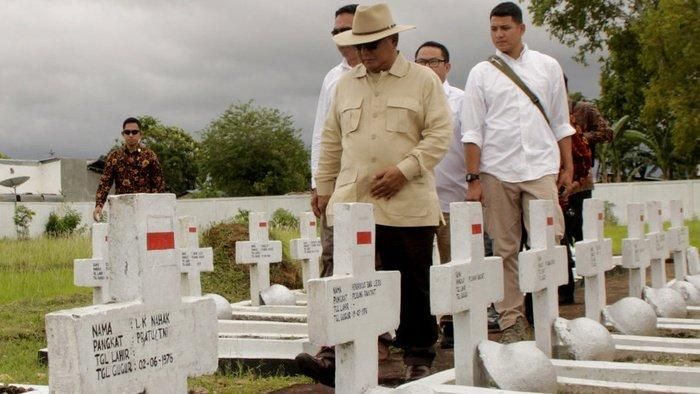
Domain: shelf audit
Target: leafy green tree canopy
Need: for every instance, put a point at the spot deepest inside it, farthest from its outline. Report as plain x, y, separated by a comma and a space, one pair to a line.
177, 152
251, 150
4, 156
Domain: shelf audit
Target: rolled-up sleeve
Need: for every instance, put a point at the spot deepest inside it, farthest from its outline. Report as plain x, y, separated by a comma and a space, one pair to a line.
436, 134
559, 107
473, 113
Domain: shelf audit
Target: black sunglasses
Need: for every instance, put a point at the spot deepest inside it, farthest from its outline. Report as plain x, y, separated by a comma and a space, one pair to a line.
131, 132
340, 30
370, 46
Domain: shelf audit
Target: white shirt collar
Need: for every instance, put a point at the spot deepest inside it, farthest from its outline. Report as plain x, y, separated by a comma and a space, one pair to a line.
523, 54
344, 65
446, 86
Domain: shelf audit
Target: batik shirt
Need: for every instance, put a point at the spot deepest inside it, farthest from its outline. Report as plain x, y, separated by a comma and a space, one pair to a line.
131, 172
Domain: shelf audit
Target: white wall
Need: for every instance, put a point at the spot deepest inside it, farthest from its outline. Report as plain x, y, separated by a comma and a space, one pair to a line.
621, 194
44, 177
208, 211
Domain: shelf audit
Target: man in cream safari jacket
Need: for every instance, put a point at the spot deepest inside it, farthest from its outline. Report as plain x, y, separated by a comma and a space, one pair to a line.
389, 125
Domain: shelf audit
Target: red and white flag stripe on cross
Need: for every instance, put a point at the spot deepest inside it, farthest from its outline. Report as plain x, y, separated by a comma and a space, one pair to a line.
160, 234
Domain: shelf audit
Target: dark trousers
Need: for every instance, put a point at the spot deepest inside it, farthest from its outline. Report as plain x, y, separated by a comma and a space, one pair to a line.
409, 250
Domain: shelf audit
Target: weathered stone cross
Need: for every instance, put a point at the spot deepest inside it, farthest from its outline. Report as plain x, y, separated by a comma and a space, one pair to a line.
149, 338
307, 248
635, 250
658, 250
542, 269
357, 304
677, 240
94, 272
192, 259
594, 257
259, 252
465, 288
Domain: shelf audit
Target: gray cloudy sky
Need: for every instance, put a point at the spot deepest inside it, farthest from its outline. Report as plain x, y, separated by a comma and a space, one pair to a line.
72, 70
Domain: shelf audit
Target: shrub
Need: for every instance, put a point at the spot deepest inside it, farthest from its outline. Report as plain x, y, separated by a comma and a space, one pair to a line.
63, 226
22, 218
284, 219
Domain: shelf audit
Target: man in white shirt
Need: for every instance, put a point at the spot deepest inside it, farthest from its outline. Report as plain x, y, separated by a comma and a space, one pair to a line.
449, 173
343, 22
512, 154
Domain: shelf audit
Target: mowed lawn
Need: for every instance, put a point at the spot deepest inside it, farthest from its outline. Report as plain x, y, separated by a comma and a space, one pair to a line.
36, 277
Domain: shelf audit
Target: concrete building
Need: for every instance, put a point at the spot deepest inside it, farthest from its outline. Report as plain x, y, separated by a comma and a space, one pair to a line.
55, 179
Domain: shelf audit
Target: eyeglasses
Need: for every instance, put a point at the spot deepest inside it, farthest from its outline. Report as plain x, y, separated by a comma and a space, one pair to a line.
340, 30
370, 46
131, 132
430, 62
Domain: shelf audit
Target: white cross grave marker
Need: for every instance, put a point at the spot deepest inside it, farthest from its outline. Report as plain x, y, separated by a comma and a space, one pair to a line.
635, 250
357, 304
259, 252
94, 272
149, 339
307, 248
594, 257
693, 261
541, 270
658, 250
677, 240
192, 259
465, 288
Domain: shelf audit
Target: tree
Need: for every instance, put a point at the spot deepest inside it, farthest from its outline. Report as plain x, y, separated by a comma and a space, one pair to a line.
670, 36
650, 73
4, 156
177, 153
253, 150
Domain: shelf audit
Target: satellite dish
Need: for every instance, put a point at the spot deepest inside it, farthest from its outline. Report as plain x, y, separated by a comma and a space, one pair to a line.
14, 182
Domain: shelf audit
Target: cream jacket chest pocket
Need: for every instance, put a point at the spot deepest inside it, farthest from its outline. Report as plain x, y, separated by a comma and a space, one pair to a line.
350, 112
402, 114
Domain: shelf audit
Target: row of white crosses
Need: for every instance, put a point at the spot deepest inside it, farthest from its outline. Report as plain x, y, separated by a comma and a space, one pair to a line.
677, 240
658, 250
148, 337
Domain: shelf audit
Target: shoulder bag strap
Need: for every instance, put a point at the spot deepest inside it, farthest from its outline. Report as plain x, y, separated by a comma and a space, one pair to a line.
505, 69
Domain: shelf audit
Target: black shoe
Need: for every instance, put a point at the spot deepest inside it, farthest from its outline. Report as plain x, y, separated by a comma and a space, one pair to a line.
447, 341
492, 317
319, 369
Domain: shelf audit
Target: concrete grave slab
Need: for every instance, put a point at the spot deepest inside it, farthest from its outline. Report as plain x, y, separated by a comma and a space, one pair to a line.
594, 257
465, 288
658, 249
635, 250
149, 338
307, 247
259, 253
357, 304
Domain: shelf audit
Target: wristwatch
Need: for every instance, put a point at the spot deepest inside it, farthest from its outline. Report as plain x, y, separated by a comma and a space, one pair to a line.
471, 177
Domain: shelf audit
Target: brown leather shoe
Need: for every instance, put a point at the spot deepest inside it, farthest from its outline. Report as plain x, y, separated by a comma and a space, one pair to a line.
415, 372
320, 369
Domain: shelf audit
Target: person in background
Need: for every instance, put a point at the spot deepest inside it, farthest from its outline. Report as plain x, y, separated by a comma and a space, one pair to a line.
132, 168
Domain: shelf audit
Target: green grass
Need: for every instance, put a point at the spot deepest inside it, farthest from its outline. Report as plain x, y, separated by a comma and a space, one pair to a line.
36, 277
618, 232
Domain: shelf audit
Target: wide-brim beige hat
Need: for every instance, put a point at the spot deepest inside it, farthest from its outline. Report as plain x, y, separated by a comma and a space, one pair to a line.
371, 23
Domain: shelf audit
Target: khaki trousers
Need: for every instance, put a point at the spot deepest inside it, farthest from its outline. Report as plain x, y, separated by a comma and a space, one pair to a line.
505, 206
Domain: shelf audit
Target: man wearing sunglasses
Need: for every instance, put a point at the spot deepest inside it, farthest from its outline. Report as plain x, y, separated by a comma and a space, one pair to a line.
343, 22
131, 168
388, 126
